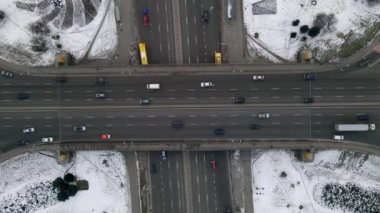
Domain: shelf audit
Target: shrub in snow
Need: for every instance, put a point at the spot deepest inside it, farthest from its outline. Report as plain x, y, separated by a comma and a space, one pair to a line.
256, 35
293, 35
296, 22
39, 28
304, 28
2, 15
324, 21
69, 178
59, 46
373, 2
314, 31
283, 174
57, 183
72, 190
304, 38
62, 196
57, 3
39, 44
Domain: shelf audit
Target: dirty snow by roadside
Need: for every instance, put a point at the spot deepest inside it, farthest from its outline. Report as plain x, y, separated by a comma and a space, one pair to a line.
274, 29
33, 173
304, 181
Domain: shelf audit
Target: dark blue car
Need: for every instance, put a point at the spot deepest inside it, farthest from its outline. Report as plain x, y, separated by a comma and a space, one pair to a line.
363, 117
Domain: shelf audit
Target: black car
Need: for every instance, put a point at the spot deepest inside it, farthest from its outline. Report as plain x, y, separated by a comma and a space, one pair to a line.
309, 77
239, 100
61, 79
100, 81
23, 96
7, 74
144, 101
204, 16
308, 100
177, 124
79, 128
255, 126
24, 142
219, 131
153, 169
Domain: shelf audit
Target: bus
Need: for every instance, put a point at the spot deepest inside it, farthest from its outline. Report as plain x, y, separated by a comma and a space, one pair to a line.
218, 58
143, 55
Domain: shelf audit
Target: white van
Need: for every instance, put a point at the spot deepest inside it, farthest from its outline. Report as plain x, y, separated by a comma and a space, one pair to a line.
163, 155
338, 137
153, 86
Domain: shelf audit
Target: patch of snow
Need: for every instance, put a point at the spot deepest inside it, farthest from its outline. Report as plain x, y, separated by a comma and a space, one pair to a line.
303, 182
32, 174
274, 29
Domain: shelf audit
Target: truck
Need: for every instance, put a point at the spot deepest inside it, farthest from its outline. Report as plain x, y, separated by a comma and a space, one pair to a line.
354, 127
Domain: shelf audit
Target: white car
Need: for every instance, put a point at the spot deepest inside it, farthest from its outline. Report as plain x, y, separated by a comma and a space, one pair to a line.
28, 130
263, 115
47, 139
258, 77
207, 84
338, 137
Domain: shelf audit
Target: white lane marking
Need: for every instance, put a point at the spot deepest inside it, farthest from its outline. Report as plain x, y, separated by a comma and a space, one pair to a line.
360, 96
89, 99
151, 124
234, 124
318, 96
212, 98
339, 88
109, 99
192, 116
48, 117
296, 96
48, 125
192, 98
212, 124
7, 84
171, 98
27, 84
110, 116
296, 123
359, 87
317, 123
48, 99
339, 96
151, 116
318, 88
276, 123
48, 91
6, 100
130, 99
275, 88
296, 88
130, 116
109, 91
47, 83
296, 114
171, 116
6, 92
213, 89
318, 114
129, 90
68, 117
89, 91
7, 118
7, 126
171, 90
233, 89
193, 124
275, 96
28, 118
234, 115
191, 90
109, 125
255, 97
89, 116
253, 115
68, 99
67, 125
130, 124
90, 125
213, 115
339, 114
254, 89
276, 115
68, 91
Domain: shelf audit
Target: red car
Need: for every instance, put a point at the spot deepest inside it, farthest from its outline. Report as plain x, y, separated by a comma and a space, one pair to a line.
105, 136
213, 164
146, 20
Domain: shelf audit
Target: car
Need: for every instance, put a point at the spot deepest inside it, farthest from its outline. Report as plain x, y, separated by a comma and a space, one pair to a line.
105, 136
308, 100
146, 21
79, 128
60, 79
228, 210
144, 101
177, 124
239, 100
24, 142
309, 77
145, 11
28, 130
213, 164
205, 16
263, 115
364, 63
7, 74
153, 169
163, 155
338, 137
23, 96
363, 117
47, 139
207, 84
219, 131
101, 95
258, 77
254, 126
100, 81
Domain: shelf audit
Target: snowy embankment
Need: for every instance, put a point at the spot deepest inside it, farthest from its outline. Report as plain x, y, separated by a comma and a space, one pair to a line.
26, 184
334, 182
272, 22
81, 28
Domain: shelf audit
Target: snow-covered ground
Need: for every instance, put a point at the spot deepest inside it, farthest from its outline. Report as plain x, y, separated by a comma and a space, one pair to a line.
26, 180
84, 27
281, 183
274, 18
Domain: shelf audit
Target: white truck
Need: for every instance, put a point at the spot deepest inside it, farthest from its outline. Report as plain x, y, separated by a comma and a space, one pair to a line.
354, 127
153, 86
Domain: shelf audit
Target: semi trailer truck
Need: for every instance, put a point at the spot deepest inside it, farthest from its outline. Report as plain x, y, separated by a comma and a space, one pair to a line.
355, 127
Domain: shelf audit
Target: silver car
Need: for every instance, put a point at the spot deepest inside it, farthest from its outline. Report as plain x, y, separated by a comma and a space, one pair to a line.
28, 130
47, 139
263, 115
